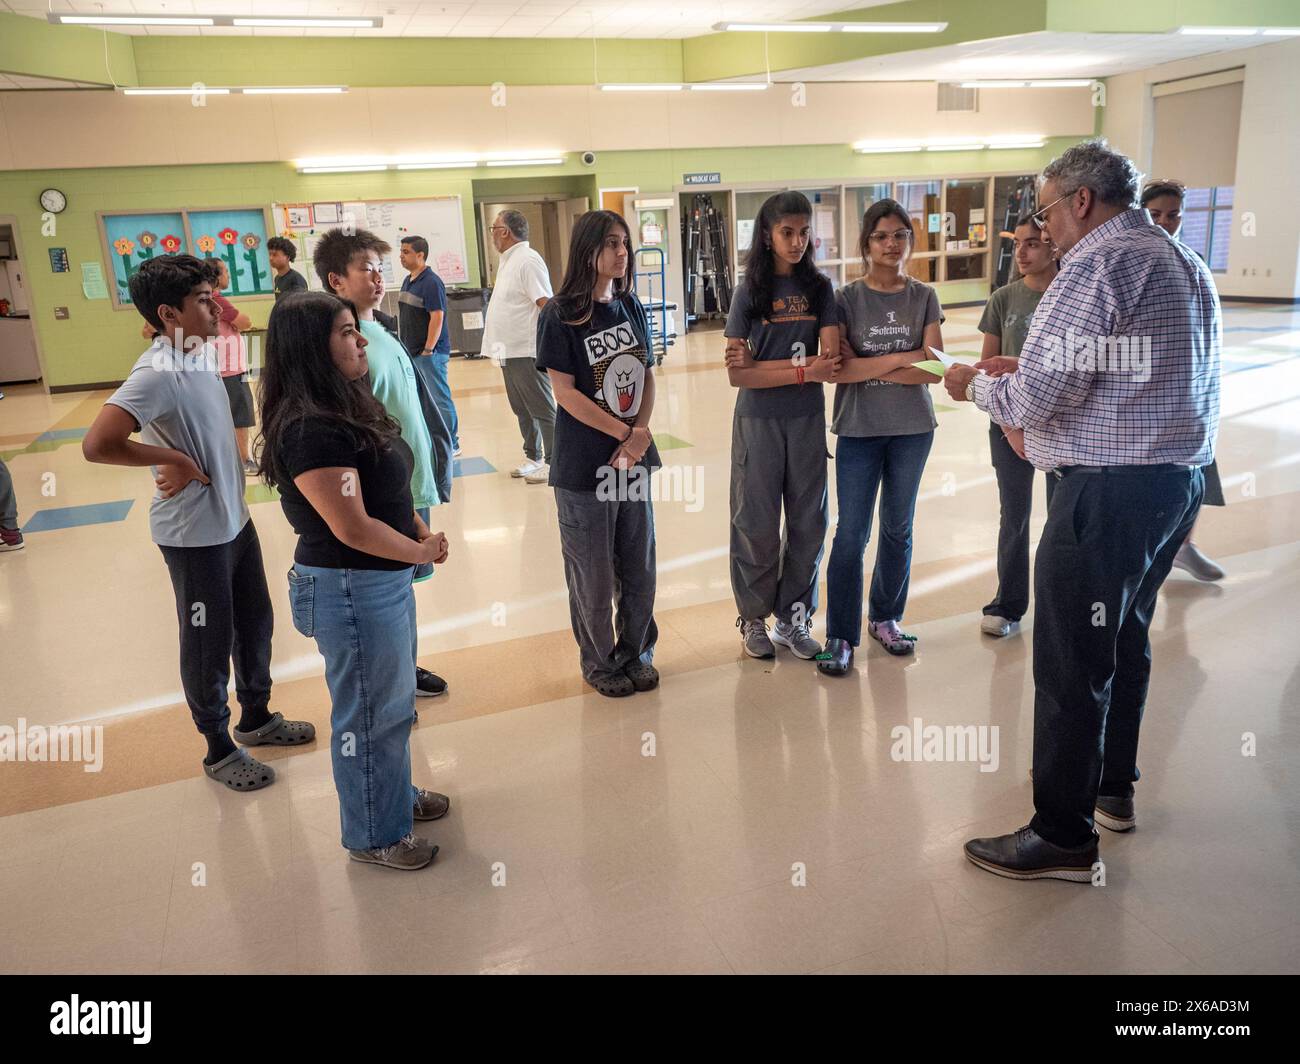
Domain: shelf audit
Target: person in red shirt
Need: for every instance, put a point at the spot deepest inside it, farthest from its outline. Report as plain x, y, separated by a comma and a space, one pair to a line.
232, 361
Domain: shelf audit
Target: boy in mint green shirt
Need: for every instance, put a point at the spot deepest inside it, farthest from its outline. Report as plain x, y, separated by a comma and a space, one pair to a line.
349, 265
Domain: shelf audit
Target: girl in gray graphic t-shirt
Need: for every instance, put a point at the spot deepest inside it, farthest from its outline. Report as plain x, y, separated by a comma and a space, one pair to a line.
884, 421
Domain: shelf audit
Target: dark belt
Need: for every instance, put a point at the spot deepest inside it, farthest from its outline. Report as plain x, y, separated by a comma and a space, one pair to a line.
1111, 470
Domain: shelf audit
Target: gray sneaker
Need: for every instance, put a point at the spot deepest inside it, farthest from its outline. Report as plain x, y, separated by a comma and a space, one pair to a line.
753, 637
798, 638
407, 854
1191, 560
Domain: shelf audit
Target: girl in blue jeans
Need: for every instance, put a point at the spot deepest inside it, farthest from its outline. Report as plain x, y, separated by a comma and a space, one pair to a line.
884, 421
344, 475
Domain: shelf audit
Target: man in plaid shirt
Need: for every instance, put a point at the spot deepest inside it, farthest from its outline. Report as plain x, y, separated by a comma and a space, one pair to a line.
1117, 389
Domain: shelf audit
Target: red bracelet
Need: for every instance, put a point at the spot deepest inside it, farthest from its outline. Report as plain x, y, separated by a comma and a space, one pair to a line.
799, 373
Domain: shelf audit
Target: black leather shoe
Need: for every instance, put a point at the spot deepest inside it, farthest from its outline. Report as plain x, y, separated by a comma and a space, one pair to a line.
1025, 854
428, 684
1117, 814
836, 659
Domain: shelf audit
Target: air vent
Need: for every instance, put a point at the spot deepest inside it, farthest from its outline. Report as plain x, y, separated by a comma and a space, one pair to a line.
955, 98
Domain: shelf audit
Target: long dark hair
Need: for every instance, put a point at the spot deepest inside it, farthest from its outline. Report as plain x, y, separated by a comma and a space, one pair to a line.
882, 208
573, 300
760, 261
300, 380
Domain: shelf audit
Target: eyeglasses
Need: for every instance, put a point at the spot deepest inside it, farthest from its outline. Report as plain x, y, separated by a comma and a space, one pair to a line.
497, 229
900, 235
1040, 217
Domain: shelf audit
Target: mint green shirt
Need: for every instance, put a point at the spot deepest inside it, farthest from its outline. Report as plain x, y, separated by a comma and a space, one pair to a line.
392, 379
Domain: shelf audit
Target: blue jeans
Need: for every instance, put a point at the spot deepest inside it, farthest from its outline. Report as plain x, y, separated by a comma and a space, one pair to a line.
433, 368
864, 464
363, 621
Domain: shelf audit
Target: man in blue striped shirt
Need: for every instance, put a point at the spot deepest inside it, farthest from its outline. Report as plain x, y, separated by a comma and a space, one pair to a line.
1117, 389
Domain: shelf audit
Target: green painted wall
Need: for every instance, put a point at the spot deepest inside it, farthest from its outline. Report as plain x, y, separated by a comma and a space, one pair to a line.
396, 61
97, 343
34, 47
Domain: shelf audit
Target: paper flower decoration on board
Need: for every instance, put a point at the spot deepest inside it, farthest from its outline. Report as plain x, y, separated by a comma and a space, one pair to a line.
123, 246
147, 239
206, 245
171, 244
252, 241
228, 236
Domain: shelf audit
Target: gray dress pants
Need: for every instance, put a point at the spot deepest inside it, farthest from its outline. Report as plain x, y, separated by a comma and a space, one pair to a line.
533, 403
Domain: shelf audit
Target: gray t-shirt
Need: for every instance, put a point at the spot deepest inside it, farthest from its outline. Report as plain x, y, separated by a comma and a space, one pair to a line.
1008, 314
884, 323
178, 401
789, 328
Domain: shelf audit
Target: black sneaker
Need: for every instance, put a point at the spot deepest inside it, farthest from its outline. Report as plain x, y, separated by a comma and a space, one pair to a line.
836, 659
427, 685
1025, 854
1117, 814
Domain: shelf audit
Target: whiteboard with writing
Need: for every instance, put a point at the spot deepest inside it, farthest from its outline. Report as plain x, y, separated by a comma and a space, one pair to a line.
440, 220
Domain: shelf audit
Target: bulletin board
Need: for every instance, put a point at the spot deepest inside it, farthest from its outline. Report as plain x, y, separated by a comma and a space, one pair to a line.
440, 220
130, 238
237, 235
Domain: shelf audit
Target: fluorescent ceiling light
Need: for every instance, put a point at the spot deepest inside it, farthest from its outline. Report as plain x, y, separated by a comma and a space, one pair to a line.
1045, 83
663, 87
341, 169
215, 20
872, 147
466, 164
1283, 31
730, 86
130, 20
312, 23
775, 27
1218, 31
188, 91
294, 90
973, 145
893, 27
525, 162
831, 27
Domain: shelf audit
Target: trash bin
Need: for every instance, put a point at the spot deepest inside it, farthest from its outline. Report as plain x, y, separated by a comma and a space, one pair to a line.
465, 308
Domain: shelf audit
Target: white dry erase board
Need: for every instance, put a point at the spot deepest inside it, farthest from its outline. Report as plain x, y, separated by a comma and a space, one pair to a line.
440, 220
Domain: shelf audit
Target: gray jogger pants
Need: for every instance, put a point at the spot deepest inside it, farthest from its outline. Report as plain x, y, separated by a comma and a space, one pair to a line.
533, 403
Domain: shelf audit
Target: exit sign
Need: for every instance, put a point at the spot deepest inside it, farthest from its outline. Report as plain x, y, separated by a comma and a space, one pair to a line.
714, 178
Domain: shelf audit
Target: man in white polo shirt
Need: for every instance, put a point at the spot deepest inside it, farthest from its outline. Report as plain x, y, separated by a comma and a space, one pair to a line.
510, 337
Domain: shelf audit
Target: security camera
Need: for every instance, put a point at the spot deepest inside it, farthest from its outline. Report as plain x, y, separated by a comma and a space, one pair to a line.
588, 158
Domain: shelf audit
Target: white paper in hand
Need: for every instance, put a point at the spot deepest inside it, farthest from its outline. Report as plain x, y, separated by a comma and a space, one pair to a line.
947, 360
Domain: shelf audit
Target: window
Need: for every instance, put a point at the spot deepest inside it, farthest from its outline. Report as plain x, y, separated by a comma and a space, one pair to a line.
922, 200
1207, 224
825, 223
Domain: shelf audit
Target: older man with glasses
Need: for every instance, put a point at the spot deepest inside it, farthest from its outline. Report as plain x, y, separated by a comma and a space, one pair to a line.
510, 336
1117, 390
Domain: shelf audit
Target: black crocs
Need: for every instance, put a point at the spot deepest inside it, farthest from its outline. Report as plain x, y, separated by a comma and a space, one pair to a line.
836, 659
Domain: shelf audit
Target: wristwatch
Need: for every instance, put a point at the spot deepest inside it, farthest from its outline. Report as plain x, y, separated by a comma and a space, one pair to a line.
970, 391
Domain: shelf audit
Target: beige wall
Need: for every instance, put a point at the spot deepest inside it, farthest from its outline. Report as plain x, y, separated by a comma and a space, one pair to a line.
106, 129
1262, 263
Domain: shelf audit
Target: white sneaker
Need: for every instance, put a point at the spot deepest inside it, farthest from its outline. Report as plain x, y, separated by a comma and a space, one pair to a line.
540, 475
526, 467
1190, 559
994, 625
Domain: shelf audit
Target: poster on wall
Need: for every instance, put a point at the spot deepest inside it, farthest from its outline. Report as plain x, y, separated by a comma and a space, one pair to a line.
132, 239
237, 236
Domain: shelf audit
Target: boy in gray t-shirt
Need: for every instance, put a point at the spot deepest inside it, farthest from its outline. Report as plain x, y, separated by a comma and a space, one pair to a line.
175, 399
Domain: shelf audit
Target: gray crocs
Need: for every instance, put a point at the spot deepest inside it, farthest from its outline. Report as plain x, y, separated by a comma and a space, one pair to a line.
278, 732
240, 771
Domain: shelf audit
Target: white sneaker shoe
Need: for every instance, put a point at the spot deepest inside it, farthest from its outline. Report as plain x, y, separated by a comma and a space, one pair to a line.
994, 625
1191, 560
540, 475
526, 467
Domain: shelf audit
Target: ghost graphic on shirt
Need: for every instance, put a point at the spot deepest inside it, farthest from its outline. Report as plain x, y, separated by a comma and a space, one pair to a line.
620, 383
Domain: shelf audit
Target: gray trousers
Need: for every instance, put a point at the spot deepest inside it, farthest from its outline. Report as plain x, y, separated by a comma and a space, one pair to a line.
775, 463
8, 502
609, 565
529, 392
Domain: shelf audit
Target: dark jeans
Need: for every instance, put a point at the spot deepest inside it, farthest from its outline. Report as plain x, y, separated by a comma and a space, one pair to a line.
609, 566
1016, 496
434, 369
1109, 542
224, 611
863, 465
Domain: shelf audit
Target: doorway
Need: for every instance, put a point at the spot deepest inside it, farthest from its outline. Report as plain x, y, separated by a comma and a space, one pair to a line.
19, 355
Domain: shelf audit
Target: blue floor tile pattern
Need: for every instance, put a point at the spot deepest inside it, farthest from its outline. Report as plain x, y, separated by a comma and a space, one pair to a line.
98, 513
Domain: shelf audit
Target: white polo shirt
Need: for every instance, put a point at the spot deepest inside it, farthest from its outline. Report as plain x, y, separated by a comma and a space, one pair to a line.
510, 330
